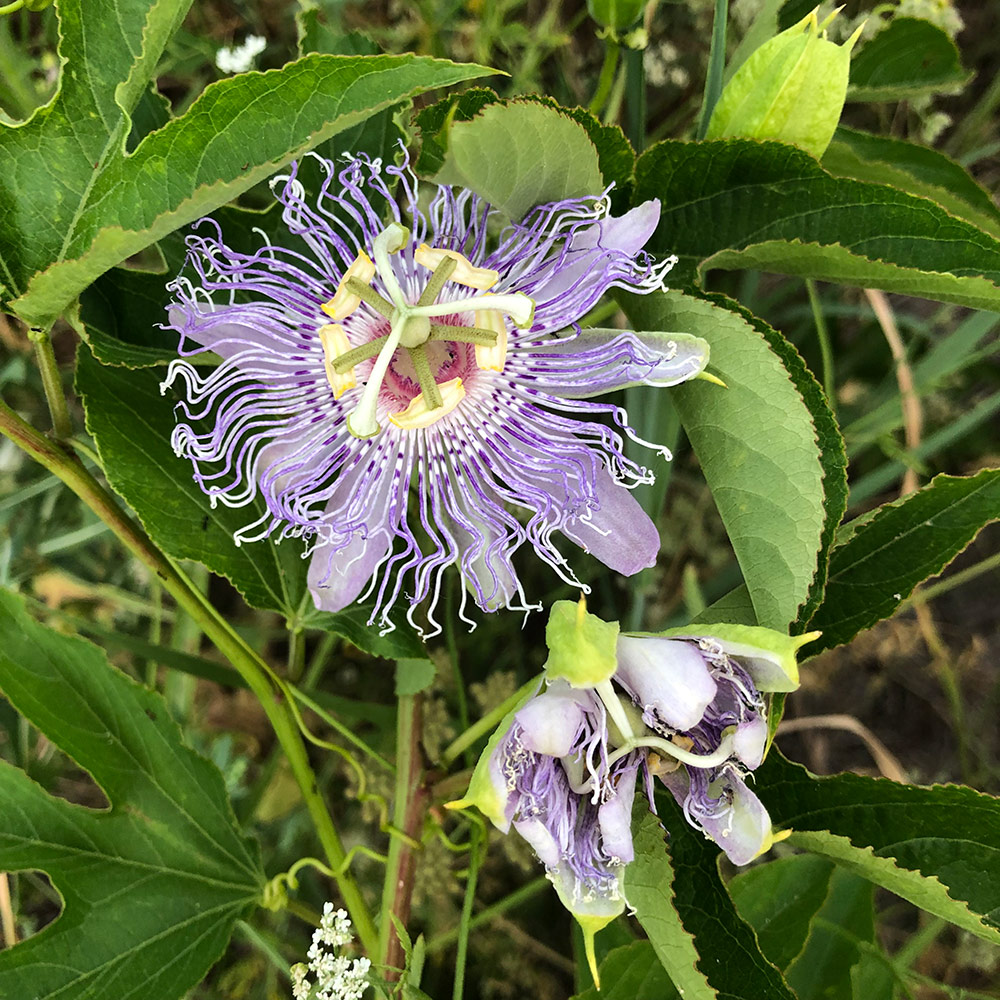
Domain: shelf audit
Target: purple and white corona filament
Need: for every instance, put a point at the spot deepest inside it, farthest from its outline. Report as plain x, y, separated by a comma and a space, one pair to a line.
409, 392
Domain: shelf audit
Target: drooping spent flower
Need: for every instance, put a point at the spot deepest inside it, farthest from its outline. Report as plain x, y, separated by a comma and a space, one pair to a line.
408, 394
685, 706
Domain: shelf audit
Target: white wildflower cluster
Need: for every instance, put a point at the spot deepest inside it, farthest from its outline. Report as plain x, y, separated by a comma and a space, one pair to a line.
336, 977
239, 58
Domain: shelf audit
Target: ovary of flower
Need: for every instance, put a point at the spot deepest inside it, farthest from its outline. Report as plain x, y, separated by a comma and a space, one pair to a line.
344, 301
465, 272
495, 357
419, 414
335, 343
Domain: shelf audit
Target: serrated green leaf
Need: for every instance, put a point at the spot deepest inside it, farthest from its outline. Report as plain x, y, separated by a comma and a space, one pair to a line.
150, 888
779, 899
744, 204
352, 624
434, 120
756, 443
632, 972
728, 957
938, 847
649, 890
915, 169
903, 544
521, 154
909, 58
237, 133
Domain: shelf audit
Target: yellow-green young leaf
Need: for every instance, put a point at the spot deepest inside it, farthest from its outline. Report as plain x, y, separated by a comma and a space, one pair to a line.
236, 134
791, 89
152, 886
739, 203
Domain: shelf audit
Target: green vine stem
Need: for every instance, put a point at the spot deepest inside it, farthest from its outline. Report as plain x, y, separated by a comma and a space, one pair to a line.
475, 860
250, 666
716, 66
607, 77
409, 802
62, 426
486, 723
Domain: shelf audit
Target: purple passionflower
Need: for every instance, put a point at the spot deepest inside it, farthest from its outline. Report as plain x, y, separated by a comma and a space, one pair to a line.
413, 392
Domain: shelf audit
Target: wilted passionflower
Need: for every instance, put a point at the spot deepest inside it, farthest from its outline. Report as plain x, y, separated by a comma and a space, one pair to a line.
686, 706
414, 392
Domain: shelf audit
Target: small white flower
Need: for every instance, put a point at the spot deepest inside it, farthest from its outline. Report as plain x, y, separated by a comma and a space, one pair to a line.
300, 985
239, 58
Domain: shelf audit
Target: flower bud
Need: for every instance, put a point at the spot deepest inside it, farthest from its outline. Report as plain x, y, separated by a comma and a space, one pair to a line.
791, 89
615, 14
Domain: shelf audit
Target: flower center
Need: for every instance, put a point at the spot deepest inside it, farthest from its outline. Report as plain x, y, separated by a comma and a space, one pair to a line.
412, 329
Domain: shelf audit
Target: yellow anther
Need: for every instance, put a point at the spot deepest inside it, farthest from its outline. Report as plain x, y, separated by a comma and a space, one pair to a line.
344, 301
335, 343
495, 357
465, 272
418, 415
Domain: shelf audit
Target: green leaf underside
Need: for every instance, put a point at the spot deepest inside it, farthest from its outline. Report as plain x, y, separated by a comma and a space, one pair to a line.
648, 888
903, 544
910, 57
631, 972
915, 169
236, 134
151, 887
132, 423
766, 476
745, 204
521, 154
938, 847
729, 957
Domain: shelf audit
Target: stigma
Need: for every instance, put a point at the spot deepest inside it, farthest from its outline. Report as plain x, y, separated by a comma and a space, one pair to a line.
413, 327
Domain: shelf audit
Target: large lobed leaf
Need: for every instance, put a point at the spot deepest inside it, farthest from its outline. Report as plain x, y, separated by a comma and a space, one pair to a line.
899, 547
739, 204
938, 847
237, 133
779, 493
152, 886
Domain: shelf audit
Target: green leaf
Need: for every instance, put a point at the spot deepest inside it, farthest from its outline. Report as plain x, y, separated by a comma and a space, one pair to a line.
616, 158
743, 204
237, 133
726, 953
909, 58
903, 544
915, 169
841, 938
817, 923
779, 899
414, 676
631, 972
756, 442
352, 624
649, 890
938, 847
109, 52
521, 154
152, 886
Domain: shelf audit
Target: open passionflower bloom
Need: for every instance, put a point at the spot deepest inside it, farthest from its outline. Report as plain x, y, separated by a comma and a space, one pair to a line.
413, 392
687, 706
